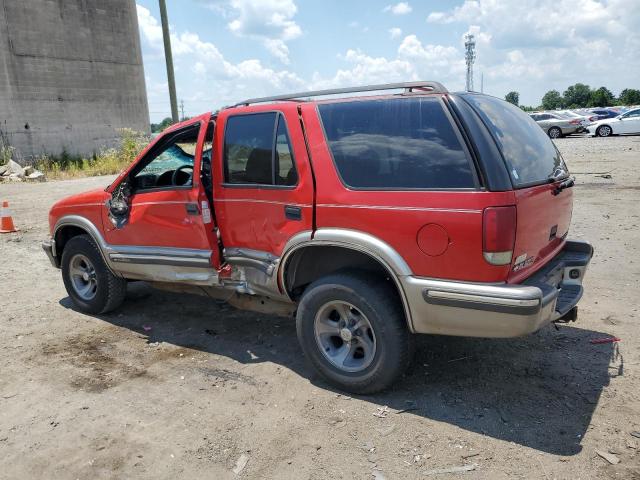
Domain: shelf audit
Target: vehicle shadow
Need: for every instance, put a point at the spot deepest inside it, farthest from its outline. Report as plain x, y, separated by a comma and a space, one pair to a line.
538, 391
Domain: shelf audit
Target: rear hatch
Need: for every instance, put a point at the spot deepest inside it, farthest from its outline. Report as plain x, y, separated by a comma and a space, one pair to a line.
540, 180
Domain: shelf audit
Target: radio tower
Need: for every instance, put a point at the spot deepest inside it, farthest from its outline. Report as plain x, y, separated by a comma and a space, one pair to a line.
470, 57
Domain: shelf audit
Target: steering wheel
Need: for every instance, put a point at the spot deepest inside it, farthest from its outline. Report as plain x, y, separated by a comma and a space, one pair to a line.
174, 177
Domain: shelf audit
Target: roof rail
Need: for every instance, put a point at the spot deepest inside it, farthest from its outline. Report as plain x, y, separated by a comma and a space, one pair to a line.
432, 87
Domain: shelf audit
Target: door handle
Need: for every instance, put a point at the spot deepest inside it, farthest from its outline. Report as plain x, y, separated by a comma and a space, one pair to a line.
192, 209
292, 212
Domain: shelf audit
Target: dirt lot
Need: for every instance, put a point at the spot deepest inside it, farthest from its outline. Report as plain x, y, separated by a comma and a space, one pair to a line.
173, 386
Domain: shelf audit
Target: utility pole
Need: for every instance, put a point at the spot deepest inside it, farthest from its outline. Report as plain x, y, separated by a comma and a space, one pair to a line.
169, 58
182, 110
470, 57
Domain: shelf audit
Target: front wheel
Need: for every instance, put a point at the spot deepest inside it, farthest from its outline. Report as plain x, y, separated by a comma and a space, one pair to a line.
88, 280
604, 131
353, 331
554, 132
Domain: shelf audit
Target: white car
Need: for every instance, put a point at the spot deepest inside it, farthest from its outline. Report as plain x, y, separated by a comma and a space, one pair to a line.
628, 122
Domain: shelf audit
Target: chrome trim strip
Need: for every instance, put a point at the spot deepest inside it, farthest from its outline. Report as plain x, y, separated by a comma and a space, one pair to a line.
160, 251
253, 200
407, 208
159, 260
512, 302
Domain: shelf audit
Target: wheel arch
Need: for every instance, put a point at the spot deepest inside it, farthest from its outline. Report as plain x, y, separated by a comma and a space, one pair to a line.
332, 250
71, 226
605, 125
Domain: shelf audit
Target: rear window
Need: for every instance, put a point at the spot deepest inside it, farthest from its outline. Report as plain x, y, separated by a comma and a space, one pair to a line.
405, 143
530, 155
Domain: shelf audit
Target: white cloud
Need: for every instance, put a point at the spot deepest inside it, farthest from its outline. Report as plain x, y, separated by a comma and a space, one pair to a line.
270, 21
537, 45
401, 8
395, 32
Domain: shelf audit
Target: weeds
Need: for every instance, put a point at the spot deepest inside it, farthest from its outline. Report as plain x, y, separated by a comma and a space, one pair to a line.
106, 162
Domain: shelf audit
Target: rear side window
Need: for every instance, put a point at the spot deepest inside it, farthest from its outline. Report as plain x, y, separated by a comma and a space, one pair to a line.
257, 150
405, 143
531, 156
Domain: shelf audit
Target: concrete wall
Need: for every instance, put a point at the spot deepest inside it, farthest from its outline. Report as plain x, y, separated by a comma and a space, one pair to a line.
71, 73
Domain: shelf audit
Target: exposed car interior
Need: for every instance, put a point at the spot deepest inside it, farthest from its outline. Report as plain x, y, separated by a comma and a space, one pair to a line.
170, 162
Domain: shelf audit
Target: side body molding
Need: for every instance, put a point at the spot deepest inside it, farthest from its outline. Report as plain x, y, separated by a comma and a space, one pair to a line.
160, 264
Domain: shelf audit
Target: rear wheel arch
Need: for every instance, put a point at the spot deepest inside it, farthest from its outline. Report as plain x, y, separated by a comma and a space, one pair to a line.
308, 263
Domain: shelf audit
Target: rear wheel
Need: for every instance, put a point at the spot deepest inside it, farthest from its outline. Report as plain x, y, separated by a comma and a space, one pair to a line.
554, 132
88, 280
353, 332
604, 131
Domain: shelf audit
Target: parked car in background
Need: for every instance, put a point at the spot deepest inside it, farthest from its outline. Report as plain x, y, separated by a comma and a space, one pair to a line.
555, 125
628, 122
603, 113
423, 212
584, 118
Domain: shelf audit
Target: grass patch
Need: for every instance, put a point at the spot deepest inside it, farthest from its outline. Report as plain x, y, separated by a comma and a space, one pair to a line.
107, 162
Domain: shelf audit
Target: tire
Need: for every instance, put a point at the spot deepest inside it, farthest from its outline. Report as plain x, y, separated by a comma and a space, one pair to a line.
604, 131
88, 280
554, 132
379, 345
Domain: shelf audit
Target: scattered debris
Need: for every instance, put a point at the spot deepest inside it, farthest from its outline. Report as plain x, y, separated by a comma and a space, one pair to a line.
635, 434
461, 469
598, 341
381, 412
470, 455
147, 328
378, 475
609, 457
13, 171
241, 463
606, 175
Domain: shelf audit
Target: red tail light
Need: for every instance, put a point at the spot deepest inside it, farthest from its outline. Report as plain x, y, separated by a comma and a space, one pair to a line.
499, 234
575, 122
593, 119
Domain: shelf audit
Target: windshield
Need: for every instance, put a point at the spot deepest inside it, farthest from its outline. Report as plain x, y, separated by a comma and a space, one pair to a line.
531, 157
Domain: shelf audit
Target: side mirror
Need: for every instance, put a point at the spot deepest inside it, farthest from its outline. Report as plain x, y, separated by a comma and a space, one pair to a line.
118, 205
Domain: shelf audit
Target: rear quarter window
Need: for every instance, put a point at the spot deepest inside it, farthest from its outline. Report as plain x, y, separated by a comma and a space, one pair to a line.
405, 143
531, 156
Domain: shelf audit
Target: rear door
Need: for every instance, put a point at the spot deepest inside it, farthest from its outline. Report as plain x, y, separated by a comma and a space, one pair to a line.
536, 168
263, 193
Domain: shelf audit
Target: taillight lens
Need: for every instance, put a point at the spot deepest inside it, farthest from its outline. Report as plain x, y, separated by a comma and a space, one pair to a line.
574, 122
593, 119
498, 234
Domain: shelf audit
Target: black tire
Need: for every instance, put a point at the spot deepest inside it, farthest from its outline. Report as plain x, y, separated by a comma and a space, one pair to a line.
554, 132
604, 131
110, 290
378, 301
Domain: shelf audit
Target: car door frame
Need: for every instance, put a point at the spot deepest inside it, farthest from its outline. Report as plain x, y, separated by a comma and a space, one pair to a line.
167, 262
275, 204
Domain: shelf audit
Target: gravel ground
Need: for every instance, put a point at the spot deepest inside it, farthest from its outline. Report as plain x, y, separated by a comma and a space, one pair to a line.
174, 386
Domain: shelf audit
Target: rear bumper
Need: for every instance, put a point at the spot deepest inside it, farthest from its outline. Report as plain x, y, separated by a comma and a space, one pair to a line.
49, 247
500, 310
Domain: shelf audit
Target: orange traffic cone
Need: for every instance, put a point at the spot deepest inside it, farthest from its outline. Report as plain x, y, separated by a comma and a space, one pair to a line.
6, 222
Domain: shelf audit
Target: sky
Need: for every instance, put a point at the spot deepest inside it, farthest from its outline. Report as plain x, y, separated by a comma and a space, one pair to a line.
228, 50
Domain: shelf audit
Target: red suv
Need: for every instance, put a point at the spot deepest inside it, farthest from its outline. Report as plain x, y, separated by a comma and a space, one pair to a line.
371, 218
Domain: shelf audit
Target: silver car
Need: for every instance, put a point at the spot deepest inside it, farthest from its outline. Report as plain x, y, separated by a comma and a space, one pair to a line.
555, 125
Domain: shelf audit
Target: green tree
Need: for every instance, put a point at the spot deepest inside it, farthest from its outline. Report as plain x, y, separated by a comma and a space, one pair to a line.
601, 97
552, 100
513, 97
629, 96
577, 96
158, 127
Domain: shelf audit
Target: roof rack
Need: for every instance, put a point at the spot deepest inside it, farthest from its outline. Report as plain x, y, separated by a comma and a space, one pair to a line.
432, 87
